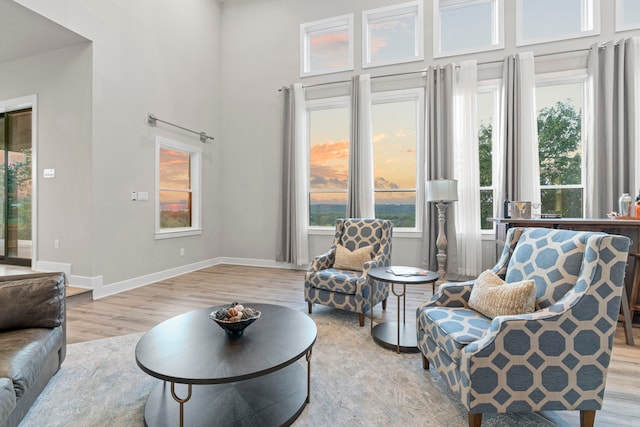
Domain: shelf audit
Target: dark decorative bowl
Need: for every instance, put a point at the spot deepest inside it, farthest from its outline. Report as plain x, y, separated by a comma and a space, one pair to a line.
235, 328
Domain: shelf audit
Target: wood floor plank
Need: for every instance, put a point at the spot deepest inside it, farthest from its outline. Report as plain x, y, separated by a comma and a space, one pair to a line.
140, 309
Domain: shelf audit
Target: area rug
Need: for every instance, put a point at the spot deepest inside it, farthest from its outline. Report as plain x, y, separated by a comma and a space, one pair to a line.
354, 382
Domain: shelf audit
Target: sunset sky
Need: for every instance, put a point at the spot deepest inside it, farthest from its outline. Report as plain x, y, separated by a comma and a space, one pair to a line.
174, 174
394, 141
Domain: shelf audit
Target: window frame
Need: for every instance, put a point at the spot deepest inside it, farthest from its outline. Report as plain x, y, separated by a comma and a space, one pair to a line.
589, 11
491, 86
570, 77
413, 8
498, 27
324, 25
417, 95
620, 26
314, 105
195, 154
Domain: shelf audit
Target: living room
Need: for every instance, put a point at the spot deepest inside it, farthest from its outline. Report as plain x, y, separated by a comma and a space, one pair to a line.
210, 66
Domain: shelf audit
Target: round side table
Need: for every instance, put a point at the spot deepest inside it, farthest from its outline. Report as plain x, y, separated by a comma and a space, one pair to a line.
399, 336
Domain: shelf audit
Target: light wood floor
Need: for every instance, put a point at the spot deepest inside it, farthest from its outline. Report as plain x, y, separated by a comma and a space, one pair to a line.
140, 309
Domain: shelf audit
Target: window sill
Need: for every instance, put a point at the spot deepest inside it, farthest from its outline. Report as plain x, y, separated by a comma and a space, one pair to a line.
181, 232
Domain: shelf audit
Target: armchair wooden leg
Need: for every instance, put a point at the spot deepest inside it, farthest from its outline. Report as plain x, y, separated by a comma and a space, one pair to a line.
475, 420
361, 319
425, 362
384, 304
587, 418
310, 306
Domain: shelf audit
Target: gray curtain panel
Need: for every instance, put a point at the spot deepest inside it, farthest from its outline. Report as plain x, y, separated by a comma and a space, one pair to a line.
353, 202
440, 162
286, 246
610, 152
511, 129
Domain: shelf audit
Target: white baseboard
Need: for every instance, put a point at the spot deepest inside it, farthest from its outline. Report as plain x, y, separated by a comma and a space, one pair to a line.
101, 290
253, 262
137, 282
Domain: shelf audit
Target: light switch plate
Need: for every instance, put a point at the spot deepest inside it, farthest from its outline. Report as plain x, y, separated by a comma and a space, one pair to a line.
143, 195
49, 173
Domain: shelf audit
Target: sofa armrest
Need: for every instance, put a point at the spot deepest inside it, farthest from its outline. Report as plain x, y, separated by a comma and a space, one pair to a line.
32, 301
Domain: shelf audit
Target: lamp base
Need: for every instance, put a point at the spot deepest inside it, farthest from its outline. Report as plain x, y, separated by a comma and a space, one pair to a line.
441, 241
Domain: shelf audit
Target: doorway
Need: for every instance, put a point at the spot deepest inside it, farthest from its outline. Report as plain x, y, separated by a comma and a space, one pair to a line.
16, 244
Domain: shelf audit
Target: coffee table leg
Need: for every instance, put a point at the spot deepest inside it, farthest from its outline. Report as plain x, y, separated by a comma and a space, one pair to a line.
308, 357
181, 401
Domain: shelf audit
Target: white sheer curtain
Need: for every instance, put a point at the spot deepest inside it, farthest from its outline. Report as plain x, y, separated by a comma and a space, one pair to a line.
293, 242
613, 138
467, 170
361, 202
518, 175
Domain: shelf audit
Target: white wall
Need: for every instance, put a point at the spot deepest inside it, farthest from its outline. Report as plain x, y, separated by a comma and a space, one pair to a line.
148, 56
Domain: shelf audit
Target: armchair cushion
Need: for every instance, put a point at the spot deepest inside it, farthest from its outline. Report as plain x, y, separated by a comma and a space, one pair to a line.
453, 328
352, 260
335, 280
493, 297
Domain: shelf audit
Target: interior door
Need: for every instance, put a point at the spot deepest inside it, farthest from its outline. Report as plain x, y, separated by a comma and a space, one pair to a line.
16, 189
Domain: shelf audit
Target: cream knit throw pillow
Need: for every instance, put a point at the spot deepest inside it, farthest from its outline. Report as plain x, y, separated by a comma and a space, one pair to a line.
347, 260
491, 296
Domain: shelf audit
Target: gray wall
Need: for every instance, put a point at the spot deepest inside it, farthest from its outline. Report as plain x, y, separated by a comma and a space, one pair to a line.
147, 56
208, 65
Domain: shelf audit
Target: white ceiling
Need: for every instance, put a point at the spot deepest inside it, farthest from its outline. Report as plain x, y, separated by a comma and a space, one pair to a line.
24, 33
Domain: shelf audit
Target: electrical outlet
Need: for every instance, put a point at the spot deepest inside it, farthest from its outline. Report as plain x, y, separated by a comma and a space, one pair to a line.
56, 243
181, 251
134, 195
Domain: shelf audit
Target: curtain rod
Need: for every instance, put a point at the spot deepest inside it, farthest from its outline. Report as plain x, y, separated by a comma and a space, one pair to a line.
423, 71
152, 121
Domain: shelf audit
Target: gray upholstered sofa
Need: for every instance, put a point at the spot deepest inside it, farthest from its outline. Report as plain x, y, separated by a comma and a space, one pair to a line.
32, 339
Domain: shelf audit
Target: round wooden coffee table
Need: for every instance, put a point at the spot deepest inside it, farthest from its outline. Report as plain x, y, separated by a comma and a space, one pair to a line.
399, 336
210, 377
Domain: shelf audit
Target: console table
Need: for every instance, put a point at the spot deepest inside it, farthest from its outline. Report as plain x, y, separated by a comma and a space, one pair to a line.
625, 227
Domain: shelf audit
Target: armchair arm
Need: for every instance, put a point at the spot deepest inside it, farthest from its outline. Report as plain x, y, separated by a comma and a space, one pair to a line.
324, 261
451, 295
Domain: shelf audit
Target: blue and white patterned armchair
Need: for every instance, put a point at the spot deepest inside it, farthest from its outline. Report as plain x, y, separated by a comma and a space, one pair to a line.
555, 358
345, 289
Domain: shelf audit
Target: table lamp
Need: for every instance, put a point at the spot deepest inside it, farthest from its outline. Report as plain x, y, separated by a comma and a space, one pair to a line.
441, 192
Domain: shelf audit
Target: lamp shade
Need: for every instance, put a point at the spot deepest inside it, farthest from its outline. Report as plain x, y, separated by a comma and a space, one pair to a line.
442, 190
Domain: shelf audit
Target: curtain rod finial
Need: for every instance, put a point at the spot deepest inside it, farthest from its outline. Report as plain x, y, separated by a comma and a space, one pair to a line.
152, 120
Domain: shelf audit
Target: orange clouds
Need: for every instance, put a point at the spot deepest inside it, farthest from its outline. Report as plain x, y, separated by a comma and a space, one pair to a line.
329, 165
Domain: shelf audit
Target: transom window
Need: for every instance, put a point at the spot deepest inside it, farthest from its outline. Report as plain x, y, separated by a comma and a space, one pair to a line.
466, 26
177, 189
326, 46
627, 15
540, 21
392, 34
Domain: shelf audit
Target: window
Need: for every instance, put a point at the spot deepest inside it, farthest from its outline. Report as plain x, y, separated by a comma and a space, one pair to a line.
560, 103
392, 35
395, 118
627, 15
328, 122
487, 112
541, 21
177, 189
465, 26
326, 46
